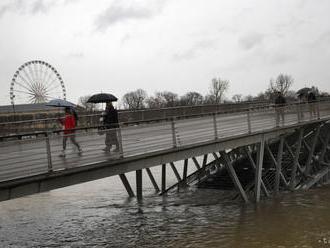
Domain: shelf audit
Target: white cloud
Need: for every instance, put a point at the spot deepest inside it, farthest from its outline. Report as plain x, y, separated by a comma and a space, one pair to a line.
120, 11
167, 45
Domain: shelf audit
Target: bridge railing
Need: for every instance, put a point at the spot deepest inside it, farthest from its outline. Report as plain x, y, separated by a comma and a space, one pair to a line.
26, 157
23, 125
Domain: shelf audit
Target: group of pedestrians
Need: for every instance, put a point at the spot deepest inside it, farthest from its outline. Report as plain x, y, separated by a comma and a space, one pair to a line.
110, 123
280, 102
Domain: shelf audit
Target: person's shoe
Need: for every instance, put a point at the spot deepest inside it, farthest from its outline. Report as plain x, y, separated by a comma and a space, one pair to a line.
62, 154
116, 150
106, 149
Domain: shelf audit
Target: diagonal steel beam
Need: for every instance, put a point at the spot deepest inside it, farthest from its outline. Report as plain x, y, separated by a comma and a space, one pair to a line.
215, 155
126, 185
296, 160
176, 173
306, 145
185, 169
311, 152
163, 178
204, 160
263, 186
196, 163
276, 164
325, 146
258, 175
152, 179
233, 175
293, 156
279, 165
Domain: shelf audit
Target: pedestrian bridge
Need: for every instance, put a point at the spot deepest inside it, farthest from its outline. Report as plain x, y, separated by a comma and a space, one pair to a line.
291, 156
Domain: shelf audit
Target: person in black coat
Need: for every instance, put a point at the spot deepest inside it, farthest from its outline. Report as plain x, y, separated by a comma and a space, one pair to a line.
311, 98
279, 108
110, 122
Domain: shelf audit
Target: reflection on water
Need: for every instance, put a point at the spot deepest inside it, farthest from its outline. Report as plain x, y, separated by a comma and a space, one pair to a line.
98, 214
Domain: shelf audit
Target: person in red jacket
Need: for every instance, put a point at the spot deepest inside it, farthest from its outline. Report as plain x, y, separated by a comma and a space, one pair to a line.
69, 124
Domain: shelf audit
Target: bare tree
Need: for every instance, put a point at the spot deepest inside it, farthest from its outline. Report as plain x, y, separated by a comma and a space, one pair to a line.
171, 99
134, 99
162, 100
237, 98
82, 101
282, 83
191, 99
217, 89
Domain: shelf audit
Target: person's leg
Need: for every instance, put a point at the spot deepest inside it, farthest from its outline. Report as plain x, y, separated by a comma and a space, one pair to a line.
64, 141
277, 117
73, 140
282, 114
107, 142
64, 145
310, 106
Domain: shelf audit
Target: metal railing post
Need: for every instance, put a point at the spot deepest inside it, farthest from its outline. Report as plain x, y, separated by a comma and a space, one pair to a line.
120, 142
298, 113
49, 154
249, 120
215, 126
318, 109
173, 133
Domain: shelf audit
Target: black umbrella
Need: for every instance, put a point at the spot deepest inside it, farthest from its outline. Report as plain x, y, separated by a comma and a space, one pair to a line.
102, 97
303, 91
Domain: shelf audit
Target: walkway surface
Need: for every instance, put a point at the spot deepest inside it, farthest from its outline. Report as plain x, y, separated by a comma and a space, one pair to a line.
23, 158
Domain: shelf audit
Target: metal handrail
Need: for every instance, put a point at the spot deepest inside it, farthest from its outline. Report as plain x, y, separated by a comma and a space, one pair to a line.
40, 155
157, 119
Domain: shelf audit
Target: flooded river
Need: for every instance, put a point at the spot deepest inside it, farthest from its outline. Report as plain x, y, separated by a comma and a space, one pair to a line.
99, 214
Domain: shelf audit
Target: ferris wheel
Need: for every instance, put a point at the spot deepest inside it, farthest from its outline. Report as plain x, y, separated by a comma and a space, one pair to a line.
36, 82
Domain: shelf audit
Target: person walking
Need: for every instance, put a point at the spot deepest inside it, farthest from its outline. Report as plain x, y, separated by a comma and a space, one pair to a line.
110, 122
311, 99
279, 108
69, 123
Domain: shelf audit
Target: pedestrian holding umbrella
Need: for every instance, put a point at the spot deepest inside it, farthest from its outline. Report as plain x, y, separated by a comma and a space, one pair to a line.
69, 123
110, 119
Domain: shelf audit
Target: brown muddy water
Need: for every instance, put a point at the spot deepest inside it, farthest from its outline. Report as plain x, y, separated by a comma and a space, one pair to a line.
99, 214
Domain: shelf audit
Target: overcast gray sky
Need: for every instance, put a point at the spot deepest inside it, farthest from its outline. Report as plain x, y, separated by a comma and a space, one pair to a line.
174, 45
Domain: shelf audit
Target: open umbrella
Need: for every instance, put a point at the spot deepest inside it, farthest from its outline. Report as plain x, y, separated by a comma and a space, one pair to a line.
102, 97
60, 103
303, 91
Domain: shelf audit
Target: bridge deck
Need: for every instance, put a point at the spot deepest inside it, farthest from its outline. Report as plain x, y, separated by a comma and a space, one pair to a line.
24, 158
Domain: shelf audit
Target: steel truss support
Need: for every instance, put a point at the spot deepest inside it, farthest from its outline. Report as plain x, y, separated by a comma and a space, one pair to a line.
185, 170
258, 175
204, 160
311, 152
152, 179
163, 178
139, 185
279, 165
126, 185
296, 160
275, 162
248, 153
176, 173
324, 147
233, 175
196, 163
